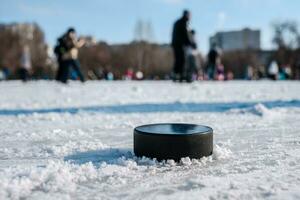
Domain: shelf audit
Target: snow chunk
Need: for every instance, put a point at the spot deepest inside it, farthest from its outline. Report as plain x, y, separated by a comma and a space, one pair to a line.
261, 110
221, 153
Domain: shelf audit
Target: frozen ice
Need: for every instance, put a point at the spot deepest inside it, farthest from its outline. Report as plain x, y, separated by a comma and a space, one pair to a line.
75, 141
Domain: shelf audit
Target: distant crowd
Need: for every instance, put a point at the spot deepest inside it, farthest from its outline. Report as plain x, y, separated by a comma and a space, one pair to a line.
186, 68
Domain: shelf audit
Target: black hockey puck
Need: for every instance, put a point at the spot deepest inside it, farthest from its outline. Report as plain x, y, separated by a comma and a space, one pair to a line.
173, 141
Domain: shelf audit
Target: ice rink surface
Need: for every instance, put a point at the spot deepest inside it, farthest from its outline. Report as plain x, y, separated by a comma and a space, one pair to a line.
75, 141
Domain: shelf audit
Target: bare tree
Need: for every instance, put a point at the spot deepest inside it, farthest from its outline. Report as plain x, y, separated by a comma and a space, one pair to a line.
13, 37
286, 35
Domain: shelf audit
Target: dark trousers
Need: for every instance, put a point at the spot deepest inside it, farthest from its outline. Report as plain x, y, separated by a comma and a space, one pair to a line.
211, 70
64, 70
179, 58
191, 67
58, 76
23, 73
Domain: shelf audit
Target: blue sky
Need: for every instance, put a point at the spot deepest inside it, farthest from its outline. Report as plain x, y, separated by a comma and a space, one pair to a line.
114, 20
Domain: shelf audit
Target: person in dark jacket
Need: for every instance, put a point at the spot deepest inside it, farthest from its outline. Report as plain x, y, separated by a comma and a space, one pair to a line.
212, 58
59, 50
180, 40
68, 55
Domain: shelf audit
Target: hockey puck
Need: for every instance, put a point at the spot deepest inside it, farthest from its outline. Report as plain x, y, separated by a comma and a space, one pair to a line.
173, 141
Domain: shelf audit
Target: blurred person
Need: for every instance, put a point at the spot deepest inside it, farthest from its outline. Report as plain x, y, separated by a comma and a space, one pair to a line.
273, 70
288, 71
99, 73
2, 75
72, 74
191, 55
110, 76
285, 72
139, 75
117, 75
180, 40
297, 69
281, 74
91, 75
229, 76
212, 59
69, 57
25, 64
59, 51
129, 74
220, 74
104, 73
254, 73
200, 75
261, 72
7, 72
250, 73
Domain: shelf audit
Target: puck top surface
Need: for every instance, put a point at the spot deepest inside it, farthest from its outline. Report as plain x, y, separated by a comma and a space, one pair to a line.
173, 129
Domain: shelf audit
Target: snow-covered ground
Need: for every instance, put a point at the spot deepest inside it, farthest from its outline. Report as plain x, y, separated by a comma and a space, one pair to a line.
75, 141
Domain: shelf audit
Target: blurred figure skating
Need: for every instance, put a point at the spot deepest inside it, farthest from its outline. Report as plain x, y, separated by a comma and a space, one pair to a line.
180, 40
67, 55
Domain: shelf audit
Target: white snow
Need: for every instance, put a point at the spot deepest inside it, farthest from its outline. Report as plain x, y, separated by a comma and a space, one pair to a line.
75, 141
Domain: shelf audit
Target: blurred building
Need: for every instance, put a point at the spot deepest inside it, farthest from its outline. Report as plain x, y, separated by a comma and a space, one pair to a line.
237, 40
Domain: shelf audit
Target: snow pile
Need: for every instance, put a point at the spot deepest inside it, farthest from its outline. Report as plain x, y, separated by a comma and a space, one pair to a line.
56, 176
265, 112
73, 147
63, 177
221, 153
261, 110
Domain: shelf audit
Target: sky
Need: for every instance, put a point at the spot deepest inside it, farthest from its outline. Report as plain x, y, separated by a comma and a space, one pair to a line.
114, 21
